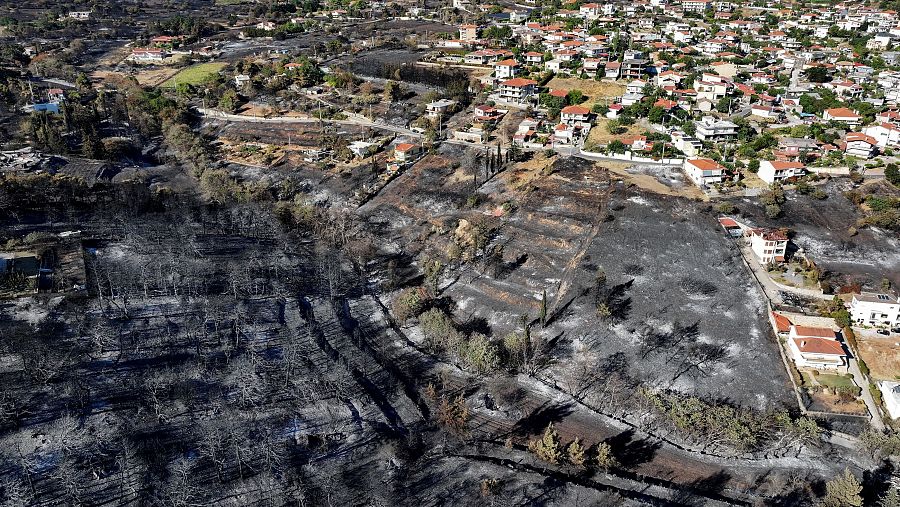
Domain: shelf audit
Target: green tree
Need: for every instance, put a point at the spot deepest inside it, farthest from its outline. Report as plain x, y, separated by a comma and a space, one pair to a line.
656, 114
480, 354
890, 499
817, 74
605, 458
843, 491
547, 447
892, 174
575, 453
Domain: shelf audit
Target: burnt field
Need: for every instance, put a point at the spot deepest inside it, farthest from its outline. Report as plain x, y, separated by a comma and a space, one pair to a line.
669, 269
823, 230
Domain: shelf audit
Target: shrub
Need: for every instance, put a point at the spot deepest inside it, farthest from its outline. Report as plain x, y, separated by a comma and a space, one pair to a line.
480, 354
408, 304
547, 447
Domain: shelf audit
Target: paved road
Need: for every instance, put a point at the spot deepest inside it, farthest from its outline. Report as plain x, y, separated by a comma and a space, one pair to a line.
866, 396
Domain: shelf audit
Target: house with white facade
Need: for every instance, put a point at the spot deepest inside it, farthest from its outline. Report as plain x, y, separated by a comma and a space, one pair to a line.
842, 114
711, 129
771, 171
885, 134
875, 309
769, 246
704, 171
890, 394
859, 145
506, 69
816, 348
518, 90
575, 115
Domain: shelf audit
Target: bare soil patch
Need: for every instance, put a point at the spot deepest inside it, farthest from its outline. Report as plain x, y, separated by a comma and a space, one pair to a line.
882, 356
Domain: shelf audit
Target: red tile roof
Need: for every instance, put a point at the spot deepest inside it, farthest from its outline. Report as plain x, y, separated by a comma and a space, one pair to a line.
818, 332
819, 346
782, 323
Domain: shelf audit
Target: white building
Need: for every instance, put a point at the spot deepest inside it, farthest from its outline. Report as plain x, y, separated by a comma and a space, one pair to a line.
842, 114
506, 69
438, 108
816, 348
771, 171
696, 6
703, 171
575, 115
885, 134
875, 309
517, 90
890, 393
769, 246
711, 129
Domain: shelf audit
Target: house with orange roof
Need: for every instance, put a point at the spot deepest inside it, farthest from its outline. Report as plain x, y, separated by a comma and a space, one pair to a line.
518, 90
843, 115
858, 144
575, 115
704, 171
816, 348
771, 171
506, 69
769, 245
406, 152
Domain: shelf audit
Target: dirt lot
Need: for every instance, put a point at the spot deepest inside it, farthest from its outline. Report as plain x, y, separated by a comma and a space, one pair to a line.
600, 134
882, 356
596, 91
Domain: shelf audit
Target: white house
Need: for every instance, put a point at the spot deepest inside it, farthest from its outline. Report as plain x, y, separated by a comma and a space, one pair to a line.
842, 114
816, 348
506, 69
703, 171
771, 171
575, 115
875, 309
885, 134
406, 152
890, 393
768, 245
860, 145
517, 89
240, 80
711, 129
438, 108
696, 6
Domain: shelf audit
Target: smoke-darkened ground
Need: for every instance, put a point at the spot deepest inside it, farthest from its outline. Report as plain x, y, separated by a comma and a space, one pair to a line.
823, 229
669, 268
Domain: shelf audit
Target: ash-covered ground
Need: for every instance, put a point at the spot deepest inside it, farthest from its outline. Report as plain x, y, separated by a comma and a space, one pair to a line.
686, 314
864, 255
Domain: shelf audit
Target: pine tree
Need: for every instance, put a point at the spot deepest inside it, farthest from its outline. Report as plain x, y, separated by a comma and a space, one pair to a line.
843, 491
576, 453
890, 499
605, 458
547, 447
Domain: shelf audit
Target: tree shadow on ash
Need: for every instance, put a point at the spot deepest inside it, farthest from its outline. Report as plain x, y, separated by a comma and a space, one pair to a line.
694, 492
541, 417
631, 452
506, 268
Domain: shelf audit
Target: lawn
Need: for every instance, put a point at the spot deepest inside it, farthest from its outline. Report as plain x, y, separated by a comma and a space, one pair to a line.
195, 74
835, 381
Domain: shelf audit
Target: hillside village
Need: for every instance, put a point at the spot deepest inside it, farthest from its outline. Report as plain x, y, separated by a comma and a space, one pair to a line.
321, 252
